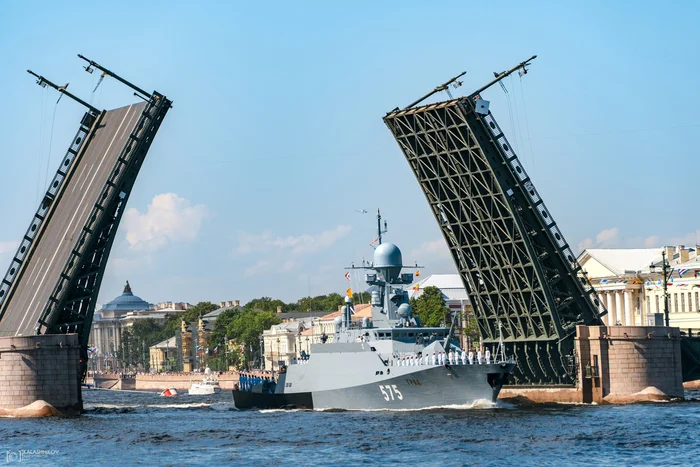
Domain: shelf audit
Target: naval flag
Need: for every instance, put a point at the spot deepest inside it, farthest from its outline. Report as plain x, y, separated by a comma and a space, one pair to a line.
347, 276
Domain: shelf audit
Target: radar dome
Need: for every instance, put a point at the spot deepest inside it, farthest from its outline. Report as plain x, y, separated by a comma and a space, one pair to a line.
387, 255
387, 259
404, 310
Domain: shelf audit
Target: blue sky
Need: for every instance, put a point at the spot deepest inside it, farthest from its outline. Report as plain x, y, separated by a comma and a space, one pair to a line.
276, 135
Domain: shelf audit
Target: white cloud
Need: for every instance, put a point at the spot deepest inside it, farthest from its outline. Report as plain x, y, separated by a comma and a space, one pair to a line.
608, 238
651, 242
169, 218
283, 253
432, 249
305, 243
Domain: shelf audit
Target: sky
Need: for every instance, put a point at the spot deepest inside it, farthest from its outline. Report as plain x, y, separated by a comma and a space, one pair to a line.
275, 141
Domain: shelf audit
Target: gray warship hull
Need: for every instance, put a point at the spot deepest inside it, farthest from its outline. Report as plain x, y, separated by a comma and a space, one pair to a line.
408, 388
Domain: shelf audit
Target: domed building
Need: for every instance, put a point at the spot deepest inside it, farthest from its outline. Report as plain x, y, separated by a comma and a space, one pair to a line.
114, 317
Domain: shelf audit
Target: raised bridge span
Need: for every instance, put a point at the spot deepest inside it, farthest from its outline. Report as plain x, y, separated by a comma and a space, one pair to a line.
52, 283
523, 279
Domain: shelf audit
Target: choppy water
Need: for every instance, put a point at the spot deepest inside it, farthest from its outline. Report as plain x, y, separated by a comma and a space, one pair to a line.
140, 428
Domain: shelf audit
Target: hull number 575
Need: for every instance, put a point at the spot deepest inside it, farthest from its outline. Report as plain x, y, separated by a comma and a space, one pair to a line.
391, 392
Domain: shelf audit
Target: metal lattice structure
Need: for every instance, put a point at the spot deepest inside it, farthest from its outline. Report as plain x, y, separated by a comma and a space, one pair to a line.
77, 220
519, 271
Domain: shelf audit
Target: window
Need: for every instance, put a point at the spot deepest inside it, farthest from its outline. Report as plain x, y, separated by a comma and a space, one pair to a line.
675, 302
648, 304
682, 302
697, 301
657, 303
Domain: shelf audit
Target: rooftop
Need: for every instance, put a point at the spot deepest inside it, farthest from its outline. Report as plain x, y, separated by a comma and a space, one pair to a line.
127, 301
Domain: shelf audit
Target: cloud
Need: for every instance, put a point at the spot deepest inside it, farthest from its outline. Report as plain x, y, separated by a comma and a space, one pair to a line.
432, 249
169, 219
651, 242
608, 238
295, 245
283, 253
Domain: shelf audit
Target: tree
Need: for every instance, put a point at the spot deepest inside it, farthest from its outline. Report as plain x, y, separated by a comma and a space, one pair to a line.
430, 307
246, 328
264, 304
137, 340
361, 297
332, 301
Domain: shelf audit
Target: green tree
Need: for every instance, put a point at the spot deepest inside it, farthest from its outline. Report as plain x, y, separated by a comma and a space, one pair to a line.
361, 297
430, 307
246, 327
332, 301
264, 304
137, 340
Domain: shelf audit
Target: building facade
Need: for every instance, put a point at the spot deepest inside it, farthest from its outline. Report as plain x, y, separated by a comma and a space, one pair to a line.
630, 285
114, 318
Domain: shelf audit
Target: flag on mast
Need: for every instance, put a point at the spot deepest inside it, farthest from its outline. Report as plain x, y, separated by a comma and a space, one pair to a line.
374, 242
347, 276
418, 273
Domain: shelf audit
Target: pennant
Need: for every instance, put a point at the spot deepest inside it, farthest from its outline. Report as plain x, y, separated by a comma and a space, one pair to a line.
418, 273
681, 272
374, 242
604, 281
416, 287
349, 292
347, 276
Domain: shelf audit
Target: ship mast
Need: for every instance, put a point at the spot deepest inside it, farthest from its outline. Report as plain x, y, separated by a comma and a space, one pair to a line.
379, 227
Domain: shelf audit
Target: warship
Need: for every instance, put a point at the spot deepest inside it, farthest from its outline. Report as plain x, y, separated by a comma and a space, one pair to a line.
388, 361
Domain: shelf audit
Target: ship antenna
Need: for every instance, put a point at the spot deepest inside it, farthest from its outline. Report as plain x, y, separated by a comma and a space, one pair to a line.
379, 227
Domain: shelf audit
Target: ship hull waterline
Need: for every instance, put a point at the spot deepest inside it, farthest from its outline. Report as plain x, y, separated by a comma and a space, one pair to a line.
427, 387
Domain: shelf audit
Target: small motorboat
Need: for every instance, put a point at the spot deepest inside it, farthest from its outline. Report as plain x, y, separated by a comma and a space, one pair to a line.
209, 385
170, 392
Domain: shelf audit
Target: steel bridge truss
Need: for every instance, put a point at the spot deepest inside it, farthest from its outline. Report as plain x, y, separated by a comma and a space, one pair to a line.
522, 278
72, 304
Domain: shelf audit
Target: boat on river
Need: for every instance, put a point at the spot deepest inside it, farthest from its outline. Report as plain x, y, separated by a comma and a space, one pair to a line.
388, 361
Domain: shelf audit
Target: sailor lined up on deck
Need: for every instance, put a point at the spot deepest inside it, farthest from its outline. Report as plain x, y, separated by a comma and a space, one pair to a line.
453, 357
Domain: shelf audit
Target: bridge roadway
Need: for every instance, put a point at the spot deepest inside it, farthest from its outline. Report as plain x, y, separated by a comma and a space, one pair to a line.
60, 234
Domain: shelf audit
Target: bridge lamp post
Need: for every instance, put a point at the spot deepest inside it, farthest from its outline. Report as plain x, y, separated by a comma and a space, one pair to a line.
666, 271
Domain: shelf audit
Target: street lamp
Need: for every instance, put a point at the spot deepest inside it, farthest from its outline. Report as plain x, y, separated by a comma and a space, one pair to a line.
666, 272
278, 355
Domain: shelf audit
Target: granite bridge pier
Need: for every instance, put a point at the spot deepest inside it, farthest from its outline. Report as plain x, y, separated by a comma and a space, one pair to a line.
48, 295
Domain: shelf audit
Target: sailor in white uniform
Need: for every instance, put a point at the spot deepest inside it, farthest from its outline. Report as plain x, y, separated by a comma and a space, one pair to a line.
471, 357
488, 356
464, 357
434, 359
479, 357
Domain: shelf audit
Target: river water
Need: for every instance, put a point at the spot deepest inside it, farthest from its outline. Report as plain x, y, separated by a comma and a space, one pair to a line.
122, 428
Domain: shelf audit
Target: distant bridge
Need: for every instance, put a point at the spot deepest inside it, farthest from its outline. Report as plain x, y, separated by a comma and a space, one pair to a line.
52, 283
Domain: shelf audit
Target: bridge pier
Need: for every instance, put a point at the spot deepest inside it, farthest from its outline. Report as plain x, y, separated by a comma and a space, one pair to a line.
42, 367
